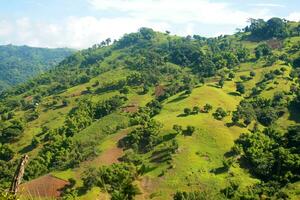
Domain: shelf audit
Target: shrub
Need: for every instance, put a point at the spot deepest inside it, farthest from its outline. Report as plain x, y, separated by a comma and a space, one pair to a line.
187, 111
220, 113
207, 108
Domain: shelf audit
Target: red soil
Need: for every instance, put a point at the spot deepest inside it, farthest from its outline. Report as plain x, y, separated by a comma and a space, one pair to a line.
45, 186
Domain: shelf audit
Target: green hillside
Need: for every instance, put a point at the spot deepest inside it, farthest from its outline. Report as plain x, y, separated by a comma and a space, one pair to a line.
156, 116
19, 63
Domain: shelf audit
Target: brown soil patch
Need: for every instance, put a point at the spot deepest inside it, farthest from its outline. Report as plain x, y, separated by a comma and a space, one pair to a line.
130, 108
75, 94
275, 44
46, 186
146, 186
110, 156
159, 90
29, 98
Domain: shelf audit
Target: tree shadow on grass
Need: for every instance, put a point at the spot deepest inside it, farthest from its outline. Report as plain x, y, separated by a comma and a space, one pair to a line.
169, 137
213, 85
182, 115
81, 191
181, 97
219, 170
236, 94
26, 149
230, 124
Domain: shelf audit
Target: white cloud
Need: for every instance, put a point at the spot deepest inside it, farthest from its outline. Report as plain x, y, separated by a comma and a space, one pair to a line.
202, 17
200, 11
5, 28
268, 5
295, 16
75, 32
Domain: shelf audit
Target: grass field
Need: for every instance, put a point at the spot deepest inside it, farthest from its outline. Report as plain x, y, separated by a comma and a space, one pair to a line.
198, 161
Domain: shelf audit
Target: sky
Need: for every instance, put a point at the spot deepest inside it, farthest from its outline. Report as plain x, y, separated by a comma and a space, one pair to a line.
81, 23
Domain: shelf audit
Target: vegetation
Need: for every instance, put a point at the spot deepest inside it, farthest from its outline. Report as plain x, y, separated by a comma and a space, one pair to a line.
165, 116
19, 63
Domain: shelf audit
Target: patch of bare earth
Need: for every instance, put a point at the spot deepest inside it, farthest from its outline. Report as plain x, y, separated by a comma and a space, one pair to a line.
131, 108
159, 90
146, 186
46, 186
110, 156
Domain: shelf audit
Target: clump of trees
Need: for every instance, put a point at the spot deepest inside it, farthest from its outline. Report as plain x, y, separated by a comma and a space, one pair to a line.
11, 131
6, 152
261, 30
262, 50
273, 155
87, 111
265, 111
116, 179
143, 138
196, 110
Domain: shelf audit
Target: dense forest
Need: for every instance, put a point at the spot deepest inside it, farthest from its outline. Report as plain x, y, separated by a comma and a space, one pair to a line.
158, 116
19, 63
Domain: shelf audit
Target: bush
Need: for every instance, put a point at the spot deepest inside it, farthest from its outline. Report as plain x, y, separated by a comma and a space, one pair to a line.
240, 88
196, 109
207, 108
262, 50
6, 153
187, 111
220, 113
189, 130
252, 73
177, 128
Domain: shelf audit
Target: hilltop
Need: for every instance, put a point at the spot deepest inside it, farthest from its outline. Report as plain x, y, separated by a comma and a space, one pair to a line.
20, 63
157, 116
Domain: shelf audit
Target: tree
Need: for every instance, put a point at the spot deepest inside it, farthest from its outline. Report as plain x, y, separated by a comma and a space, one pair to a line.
221, 82
124, 90
207, 108
6, 153
247, 121
262, 50
108, 41
235, 117
196, 109
65, 102
187, 111
35, 142
177, 128
244, 78
276, 27
240, 88
267, 116
220, 113
189, 130
252, 73
296, 63
231, 75
189, 91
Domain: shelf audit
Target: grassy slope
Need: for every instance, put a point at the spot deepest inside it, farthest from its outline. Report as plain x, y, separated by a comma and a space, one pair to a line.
198, 154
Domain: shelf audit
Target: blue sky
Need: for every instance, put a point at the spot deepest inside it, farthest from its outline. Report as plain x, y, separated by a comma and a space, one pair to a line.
82, 23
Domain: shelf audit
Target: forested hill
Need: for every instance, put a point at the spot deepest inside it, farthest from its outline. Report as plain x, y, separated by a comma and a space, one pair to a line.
158, 116
18, 63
